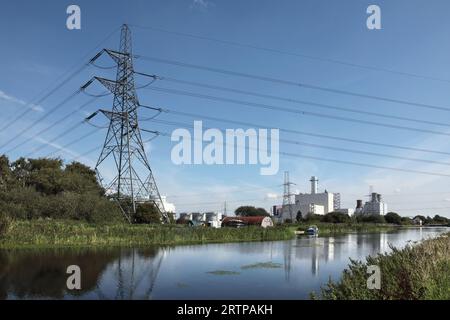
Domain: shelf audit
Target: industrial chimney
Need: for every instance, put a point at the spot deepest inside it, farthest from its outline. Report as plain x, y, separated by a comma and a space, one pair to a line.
374, 197
359, 204
314, 182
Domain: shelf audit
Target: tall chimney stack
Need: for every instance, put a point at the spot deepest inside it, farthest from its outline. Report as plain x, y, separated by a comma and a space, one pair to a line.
359, 204
314, 182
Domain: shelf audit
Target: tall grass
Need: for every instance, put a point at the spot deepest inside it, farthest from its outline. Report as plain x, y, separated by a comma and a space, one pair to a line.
339, 228
419, 271
71, 233
51, 233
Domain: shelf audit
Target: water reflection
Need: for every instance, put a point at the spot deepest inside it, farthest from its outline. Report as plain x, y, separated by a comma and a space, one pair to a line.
42, 273
279, 269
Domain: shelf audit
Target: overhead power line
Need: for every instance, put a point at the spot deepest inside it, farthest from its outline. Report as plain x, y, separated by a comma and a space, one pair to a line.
51, 126
71, 143
297, 132
294, 111
60, 81
291, 83
44, 145
352, 163
33, 124
319, 146
294, 54
308, 103
23, 114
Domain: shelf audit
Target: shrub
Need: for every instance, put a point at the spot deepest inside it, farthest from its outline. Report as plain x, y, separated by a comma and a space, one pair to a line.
372, 218
147, 213
312, 218
336, 217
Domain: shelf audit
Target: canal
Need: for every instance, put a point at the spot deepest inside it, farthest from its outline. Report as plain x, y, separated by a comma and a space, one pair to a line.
259, 270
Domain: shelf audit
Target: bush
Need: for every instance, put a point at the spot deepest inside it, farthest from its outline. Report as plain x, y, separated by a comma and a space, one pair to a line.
313, 218
373, 218
44, 188
147, 213
336, 217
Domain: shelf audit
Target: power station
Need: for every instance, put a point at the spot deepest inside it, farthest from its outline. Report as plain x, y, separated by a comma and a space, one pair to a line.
321, 203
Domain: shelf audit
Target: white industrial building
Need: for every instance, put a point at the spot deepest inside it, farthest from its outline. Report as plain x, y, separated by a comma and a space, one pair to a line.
315, 202
375, 205
169, 207
211, 219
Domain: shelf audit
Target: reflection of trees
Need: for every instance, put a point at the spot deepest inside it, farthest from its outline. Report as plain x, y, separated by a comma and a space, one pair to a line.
39, 273
105, 273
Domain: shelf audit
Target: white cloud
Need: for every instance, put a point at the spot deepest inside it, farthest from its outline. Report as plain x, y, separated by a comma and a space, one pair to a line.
272, 196
15, 100
201, 4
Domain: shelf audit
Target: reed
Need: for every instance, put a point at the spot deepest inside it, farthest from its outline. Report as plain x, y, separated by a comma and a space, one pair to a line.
44, 233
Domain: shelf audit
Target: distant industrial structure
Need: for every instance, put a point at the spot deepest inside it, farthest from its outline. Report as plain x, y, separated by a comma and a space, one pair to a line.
375, 206
209, 219
314, 202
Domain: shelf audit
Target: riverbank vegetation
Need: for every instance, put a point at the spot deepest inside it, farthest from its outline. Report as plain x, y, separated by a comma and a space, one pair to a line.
60, 233
419, 271
341, 228
51, 233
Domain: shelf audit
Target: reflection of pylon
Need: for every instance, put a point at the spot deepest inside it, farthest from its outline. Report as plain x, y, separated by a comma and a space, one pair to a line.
287, 197
123, 149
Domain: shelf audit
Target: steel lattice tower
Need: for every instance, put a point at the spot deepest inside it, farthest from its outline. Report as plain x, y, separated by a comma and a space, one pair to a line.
287, 197
123, 148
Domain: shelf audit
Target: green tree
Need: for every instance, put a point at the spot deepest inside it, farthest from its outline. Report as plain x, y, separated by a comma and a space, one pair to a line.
250, 211
437, 219
392, 217
299, 216
336, 217
371, 218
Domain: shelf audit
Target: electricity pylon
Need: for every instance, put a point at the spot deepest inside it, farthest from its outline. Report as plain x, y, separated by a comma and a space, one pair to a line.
287, 197
133, 181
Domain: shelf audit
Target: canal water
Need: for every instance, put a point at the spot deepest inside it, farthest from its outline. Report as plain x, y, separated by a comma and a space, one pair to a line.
259, 270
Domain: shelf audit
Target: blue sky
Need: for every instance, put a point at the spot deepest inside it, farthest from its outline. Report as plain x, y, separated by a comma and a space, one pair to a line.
37, 48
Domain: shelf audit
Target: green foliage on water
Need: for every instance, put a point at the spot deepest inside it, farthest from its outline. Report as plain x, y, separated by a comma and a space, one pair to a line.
263, 265
417, 272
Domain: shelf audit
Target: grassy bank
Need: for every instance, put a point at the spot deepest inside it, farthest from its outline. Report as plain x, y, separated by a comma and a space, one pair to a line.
420, 271
70, 233
58, 233
342, 228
